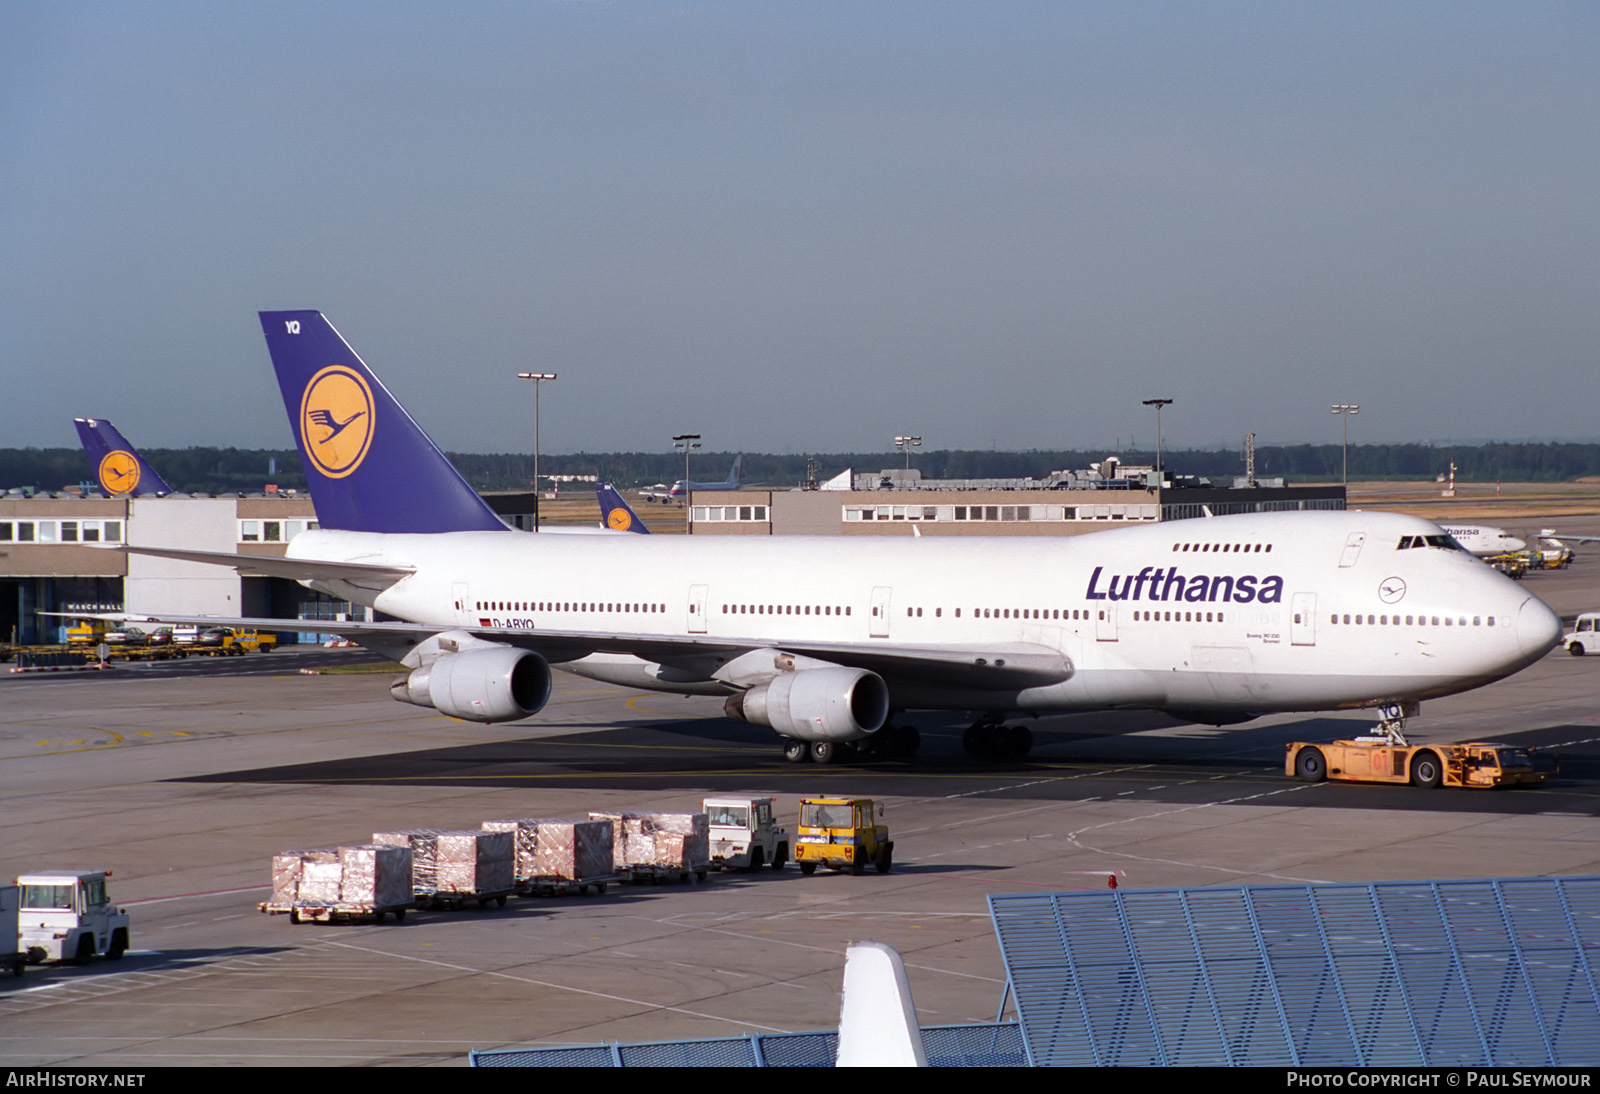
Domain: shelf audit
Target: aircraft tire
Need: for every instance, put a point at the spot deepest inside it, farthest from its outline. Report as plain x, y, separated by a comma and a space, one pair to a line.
1310, 765
978, 741
1015, 741
823, 752
796, 752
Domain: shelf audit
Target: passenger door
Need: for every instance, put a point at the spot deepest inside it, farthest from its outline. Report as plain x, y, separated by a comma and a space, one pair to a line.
697, 609
1303, 623
880, 611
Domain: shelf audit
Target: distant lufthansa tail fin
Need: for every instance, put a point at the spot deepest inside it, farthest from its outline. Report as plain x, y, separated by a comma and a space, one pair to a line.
615, 513
370, 466
118, 468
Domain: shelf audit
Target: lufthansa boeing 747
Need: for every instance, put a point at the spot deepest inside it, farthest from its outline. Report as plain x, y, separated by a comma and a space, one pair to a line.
822, 639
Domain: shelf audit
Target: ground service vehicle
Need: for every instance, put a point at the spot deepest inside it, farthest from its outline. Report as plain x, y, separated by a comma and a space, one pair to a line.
258, 641
1379, 760
225, 641
1513, 566
744, 835
11, 950
1584, 635
67, 915
86, 634
841, 833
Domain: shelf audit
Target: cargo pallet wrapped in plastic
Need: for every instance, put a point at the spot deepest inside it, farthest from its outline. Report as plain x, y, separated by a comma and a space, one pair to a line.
451, 867
341, 884
661, 846
554, 857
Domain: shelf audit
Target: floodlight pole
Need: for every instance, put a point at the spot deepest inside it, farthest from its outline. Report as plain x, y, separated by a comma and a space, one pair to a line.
906, 444
688, 442
1344, 410
536, 377
1158, 404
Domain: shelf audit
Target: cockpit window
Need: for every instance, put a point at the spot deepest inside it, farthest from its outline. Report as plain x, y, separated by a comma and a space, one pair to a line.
1444, 543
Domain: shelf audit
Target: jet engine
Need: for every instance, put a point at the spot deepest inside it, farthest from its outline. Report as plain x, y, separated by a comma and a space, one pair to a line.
479, 685
823, 704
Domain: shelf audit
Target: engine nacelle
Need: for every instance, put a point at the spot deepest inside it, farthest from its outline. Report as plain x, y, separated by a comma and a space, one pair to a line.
481, 685
832, 704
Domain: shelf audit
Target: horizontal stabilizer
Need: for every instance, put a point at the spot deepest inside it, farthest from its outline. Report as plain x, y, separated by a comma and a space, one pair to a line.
294, 569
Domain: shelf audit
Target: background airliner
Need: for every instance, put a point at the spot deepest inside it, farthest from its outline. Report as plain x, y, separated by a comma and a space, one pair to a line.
732, 482
822, 638
119, 470
1483, 541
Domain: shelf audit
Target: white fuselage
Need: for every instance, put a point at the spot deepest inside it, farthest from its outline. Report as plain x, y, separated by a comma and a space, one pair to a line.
1298, 611
1483, 541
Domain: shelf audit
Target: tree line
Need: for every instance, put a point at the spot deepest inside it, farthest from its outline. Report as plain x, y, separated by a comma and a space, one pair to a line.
232, 470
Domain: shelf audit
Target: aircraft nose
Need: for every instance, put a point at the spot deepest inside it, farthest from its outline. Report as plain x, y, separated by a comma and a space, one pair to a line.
1538, 628
1515, 544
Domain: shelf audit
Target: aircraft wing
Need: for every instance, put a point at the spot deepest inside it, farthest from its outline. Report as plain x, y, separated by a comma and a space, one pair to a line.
1000, 666
295, 569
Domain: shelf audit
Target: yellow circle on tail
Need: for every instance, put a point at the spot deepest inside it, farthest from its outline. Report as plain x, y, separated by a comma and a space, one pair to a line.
336, 420
619, 519
119, 472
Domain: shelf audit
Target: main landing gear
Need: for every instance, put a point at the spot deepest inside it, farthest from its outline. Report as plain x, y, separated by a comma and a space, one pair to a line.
990, 738
889, 743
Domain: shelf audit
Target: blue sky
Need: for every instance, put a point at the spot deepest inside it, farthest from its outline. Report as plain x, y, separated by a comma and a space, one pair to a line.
808, 227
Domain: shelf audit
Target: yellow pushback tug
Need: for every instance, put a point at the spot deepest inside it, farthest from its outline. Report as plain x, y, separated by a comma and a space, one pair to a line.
1380, 759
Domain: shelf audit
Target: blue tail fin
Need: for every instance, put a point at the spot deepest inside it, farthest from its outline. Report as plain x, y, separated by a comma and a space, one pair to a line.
615, 513
371, 468
118, 467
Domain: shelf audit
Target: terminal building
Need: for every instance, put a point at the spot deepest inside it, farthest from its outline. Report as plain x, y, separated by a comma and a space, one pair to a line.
63, 553
1065, 503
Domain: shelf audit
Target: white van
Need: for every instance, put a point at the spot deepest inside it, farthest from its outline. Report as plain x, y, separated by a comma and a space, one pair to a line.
1583, 636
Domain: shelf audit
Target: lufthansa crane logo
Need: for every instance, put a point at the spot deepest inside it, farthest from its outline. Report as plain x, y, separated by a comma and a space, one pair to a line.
119, 472
1391, 589
336, 420
619, 519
